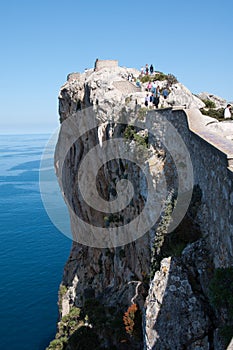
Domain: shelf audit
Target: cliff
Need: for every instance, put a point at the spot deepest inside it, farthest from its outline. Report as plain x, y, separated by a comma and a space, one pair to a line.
147, 239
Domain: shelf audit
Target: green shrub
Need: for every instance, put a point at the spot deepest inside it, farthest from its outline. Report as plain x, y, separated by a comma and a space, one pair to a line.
128, 99
131, 134
209, 103
173, 243
145, 79
214, 113
159, 76
62, 290
61, 293
56, 344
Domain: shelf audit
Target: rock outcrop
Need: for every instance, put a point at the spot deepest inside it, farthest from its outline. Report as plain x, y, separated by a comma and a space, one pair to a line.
110, 87
218, 101
177, 315
151, 291
224, 128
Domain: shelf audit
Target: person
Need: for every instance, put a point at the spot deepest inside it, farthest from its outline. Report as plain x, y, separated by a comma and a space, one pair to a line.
151, 69
149, 86
151, 98
147, 100
156, 98
165, 93
227, 111
138, 82
130, 77
153, 88
96, 62
147, 69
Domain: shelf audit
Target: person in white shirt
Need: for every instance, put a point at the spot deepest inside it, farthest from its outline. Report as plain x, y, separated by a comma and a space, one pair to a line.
227, 112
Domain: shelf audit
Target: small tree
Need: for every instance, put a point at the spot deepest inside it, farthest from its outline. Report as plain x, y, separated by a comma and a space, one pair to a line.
133, 322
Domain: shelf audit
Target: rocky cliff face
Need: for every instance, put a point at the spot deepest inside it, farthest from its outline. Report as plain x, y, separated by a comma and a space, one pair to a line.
127, 289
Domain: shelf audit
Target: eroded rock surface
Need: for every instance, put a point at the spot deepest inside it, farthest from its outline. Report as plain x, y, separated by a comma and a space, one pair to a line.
173, 307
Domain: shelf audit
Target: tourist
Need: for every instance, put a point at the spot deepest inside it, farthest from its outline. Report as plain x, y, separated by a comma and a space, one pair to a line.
151, 98
147, 69
149, 86
153, 89
138, 83
156, 98
227, 111
147, 100
130, 77
165, 93
151, 69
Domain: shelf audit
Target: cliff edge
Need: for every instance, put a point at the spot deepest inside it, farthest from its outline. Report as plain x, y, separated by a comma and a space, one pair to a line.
139, 275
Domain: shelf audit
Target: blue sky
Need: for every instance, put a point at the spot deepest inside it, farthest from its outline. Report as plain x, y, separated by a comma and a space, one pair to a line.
41, 42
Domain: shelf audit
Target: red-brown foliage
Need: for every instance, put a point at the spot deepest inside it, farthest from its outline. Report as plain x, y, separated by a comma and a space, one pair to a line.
129, 318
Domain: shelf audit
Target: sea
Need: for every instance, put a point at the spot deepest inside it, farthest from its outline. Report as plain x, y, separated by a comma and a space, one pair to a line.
33, 249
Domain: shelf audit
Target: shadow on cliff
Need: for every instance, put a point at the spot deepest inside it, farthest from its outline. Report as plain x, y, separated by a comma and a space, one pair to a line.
103, 329
179, 314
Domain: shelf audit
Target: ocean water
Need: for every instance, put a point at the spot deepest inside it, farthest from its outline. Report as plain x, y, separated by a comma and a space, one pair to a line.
33, 250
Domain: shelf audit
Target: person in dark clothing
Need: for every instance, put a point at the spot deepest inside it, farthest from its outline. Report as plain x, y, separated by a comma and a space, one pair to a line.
156, 98
156, 101
151, 69
147, 100
151, 98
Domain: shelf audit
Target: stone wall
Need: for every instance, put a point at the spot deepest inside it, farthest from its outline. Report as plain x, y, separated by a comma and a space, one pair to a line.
99, 64
211, 157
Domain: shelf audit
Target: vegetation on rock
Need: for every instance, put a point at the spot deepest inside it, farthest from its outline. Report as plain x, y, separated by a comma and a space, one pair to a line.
209, 103
132, 134
171, 79
172, 244
133, 321
213, 113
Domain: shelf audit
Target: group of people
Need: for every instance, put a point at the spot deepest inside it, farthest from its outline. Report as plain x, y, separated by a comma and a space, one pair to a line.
154, 98
146, 70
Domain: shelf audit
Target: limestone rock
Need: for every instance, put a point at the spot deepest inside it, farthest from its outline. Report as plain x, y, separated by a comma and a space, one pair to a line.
176, 311
109, 88
223, 128
219, 101
181, 96
178, 314
175, 315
